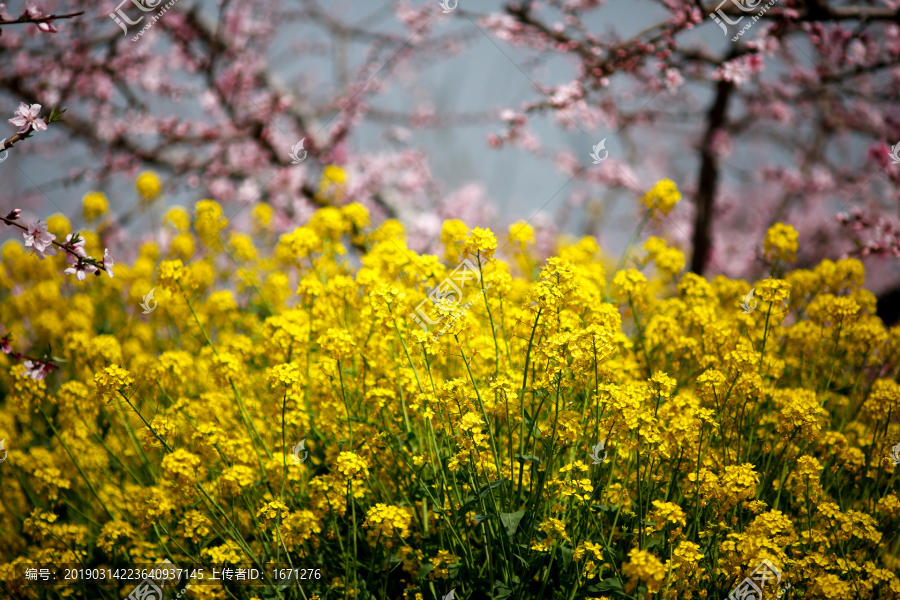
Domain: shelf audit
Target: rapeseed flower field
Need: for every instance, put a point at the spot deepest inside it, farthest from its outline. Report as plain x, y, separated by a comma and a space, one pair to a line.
481, 424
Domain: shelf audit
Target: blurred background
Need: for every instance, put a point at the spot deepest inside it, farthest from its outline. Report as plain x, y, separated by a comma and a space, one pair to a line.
484, 111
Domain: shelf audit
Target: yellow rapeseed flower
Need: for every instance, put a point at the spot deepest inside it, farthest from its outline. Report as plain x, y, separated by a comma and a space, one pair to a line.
781, 242
94, 206
664, 195
112, 379
177, 218
148, 185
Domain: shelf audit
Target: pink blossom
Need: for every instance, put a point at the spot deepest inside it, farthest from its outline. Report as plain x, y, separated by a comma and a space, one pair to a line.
4, 344
80, 270
739, 70
35, 13
40, 240
108, 262
47, 27
37, 369
77, 248
27, 117
674, 79
75, 256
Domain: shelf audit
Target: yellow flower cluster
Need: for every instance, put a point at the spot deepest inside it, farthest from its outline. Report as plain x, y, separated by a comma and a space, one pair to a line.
351, 466
173, 276
669, 261
94, 206
781, 242
148, 185
112, 379
644, 566
581, 431
664, 195
387, 522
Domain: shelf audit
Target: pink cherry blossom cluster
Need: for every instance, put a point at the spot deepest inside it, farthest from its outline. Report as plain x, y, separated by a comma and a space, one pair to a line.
682, 101
35, 368
31, 15
872, 235
771, 128
44, 244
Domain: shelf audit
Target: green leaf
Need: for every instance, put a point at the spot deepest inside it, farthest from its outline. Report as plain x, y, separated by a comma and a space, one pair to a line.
479, 519
532, 426
528, 457
610, 587
424, 570
501, 591
566, 556
485, 490
511, 521
55, 114
524, 562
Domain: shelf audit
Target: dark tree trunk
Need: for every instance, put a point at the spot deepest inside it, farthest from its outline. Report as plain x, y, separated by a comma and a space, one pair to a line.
708, 182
